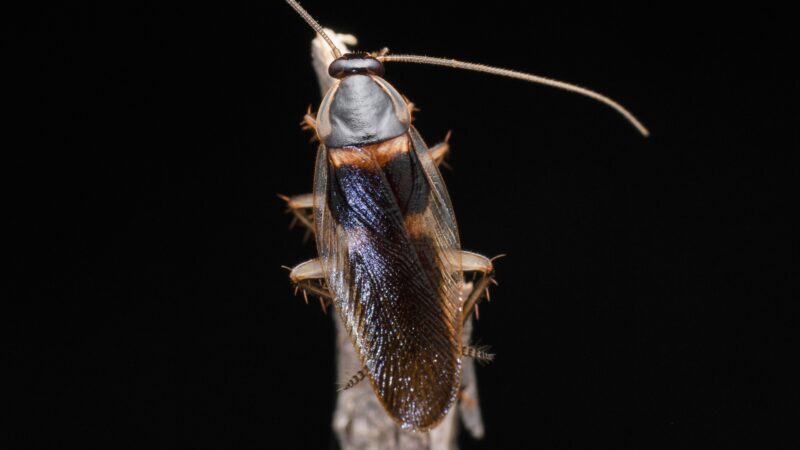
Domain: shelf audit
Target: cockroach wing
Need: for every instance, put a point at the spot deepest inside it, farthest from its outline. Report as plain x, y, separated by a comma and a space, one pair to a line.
388, 244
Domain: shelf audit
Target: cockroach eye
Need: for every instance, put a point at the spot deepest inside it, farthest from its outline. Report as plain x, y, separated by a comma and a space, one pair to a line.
355, 63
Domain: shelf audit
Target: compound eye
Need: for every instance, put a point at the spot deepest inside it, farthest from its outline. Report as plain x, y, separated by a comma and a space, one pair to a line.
351, 63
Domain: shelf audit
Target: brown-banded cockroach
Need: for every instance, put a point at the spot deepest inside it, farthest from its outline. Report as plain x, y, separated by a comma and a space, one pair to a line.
390, 259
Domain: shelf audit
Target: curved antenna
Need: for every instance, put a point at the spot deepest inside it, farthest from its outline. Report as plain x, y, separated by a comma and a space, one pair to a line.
452, 63
315, 25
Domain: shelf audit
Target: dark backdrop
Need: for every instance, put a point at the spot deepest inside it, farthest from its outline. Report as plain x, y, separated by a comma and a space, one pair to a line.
642, 301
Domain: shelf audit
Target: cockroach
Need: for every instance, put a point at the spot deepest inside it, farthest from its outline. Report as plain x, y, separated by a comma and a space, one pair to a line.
390, 259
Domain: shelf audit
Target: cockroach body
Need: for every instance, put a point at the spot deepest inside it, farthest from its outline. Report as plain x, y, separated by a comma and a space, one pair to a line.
388, 243
390, 258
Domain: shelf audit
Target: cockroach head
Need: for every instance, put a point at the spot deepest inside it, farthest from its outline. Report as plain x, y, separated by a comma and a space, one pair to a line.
355, 63
363, 64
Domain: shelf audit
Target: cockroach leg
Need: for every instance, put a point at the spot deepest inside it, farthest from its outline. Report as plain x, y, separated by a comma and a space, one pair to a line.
439, 151
309, 278
315, 288
309, 122
307, 271
301, 207
483, 268
354, 380
473, 262
411, 108
480, 354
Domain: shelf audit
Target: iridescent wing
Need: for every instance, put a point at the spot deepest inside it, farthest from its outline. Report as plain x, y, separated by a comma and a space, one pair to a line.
388, 244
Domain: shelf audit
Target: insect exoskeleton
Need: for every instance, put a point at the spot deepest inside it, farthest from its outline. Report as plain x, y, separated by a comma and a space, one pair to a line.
390, 259
388, 244
361, 108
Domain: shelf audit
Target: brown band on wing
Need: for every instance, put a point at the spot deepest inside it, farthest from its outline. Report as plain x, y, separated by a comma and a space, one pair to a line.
390, 285
382, 152
399, 164
348, 156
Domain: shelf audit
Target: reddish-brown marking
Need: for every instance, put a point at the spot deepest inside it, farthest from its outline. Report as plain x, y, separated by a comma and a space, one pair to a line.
382, 152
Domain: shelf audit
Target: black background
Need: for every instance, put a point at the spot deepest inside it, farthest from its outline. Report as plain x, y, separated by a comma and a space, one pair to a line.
643, 301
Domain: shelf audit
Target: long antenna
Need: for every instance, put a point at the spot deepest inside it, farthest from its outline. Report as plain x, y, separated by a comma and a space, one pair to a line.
315, 25
452, 63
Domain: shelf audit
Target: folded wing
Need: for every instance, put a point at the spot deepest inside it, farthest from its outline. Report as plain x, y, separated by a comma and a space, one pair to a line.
386, 236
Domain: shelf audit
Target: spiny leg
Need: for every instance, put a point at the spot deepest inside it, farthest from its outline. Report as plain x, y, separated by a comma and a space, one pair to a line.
484, 271
480, 354
309, 122
354, 380
439, 151
309, 278
301, 207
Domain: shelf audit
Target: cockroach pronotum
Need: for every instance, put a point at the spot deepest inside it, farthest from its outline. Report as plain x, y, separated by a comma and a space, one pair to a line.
390, 259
